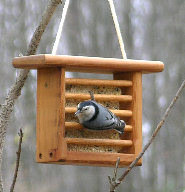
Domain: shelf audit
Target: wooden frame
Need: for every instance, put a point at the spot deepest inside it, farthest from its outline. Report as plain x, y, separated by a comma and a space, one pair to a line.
51, 97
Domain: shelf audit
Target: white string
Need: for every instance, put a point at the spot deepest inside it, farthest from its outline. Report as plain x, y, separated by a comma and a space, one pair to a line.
115, 20
116, 24
59, 33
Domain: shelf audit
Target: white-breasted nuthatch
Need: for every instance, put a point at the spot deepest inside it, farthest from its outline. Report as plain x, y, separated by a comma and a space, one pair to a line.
95, 116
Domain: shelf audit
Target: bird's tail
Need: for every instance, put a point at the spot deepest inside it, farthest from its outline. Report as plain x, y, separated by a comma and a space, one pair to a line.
120, 127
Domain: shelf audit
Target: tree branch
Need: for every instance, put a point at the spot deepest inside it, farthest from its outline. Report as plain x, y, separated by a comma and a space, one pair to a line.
17, 160
113, 181
113, 186
16, 88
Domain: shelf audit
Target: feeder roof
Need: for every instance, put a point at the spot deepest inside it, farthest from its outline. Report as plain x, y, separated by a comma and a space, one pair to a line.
87, 64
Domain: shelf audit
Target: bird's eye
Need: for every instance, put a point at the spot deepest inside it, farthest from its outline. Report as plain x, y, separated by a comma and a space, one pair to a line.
85, 108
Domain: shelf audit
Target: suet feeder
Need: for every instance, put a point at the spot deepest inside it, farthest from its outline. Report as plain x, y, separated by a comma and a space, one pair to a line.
60, 138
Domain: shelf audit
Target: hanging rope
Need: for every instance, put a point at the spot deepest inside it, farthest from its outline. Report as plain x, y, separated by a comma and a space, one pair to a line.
59, 33
116, 24
115, 20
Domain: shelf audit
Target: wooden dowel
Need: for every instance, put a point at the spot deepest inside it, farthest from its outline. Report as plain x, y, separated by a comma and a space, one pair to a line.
75, 125
99, 142
99, 97
120, 113
99, 82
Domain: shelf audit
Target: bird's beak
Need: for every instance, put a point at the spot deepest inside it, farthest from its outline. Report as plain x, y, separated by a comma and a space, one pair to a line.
78, 111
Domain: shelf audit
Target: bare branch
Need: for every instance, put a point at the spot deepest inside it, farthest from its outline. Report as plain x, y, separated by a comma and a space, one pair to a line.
42, 26
17, 160
16, 88
116, 168
161, 123
113, 181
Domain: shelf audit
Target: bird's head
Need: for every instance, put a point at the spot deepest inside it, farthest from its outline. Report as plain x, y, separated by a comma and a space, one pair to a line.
85, 111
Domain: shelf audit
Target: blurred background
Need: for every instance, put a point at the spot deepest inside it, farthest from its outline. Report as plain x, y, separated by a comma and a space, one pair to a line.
152, 30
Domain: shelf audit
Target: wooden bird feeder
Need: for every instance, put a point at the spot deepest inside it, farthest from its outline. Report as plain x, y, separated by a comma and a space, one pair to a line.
60, 138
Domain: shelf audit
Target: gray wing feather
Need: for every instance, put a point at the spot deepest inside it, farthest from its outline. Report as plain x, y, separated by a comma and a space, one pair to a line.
105, 120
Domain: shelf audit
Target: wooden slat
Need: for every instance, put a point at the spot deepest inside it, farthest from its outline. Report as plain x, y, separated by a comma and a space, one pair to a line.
62, 146
99, 142
98, 159
87, 64
99, 82
99, 97
75, 125
120, 113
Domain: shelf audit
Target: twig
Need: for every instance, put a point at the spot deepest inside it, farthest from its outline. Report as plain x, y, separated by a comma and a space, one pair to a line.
15, 90
17, 160
116, 168
161, 123
114, 180
91, 95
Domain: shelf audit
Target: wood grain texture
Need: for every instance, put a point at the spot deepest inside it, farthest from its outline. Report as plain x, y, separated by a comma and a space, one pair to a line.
87, 64
62, 145
75, 125
99, 97
51, 125
99, 82
135, 106
119, 113
48, 113
99, 142
137, 112
97, 159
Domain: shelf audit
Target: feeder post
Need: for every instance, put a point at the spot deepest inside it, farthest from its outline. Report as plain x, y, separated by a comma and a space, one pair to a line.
135, 106
50, 120
62, 145
137, 112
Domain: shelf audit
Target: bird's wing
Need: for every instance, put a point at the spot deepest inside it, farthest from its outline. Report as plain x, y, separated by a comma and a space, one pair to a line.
106, 119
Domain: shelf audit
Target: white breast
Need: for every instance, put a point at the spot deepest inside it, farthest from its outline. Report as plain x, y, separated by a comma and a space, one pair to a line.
87, 114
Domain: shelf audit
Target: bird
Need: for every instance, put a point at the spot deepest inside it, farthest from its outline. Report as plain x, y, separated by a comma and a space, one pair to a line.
94, 116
